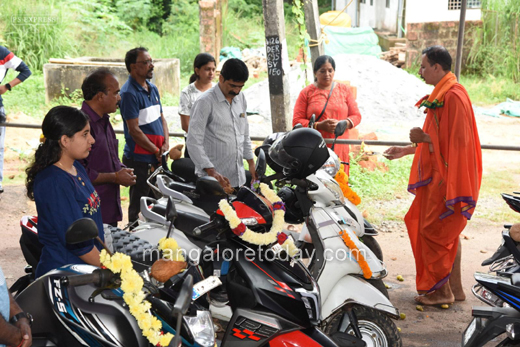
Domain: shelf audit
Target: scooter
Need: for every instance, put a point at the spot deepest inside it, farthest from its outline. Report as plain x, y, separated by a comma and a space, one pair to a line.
490, 322
82, 305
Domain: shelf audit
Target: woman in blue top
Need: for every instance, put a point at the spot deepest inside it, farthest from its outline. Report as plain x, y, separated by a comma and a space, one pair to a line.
61, 189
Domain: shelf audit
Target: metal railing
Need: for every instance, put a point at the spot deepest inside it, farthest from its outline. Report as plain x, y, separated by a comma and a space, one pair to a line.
261, 138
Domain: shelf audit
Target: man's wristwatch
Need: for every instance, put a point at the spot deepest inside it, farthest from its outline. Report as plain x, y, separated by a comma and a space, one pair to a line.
8, 86
21, 315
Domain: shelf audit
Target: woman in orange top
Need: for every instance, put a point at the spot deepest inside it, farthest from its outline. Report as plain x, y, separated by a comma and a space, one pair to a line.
341, 104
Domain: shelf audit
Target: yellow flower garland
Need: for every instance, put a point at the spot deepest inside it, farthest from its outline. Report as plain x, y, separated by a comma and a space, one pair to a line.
132, 286
258, 238
171, 249
342, 179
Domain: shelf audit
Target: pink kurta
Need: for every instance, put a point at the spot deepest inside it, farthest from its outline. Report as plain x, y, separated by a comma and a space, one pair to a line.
341, 106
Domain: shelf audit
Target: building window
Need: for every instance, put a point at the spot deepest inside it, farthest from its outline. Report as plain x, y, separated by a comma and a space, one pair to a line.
387, 3
456, 4
362, 1
371, 2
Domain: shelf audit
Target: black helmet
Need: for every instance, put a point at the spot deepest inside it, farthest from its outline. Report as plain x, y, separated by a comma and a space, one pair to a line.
300, 152
293, 212
268, 142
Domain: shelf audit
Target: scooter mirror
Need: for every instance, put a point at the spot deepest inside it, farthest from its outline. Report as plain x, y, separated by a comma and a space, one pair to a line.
340, 128
181, 307
261, 164
171, 211
84, 229
312, 121
297, 126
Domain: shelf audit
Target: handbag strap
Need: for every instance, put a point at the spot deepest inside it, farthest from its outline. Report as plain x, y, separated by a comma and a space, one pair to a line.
324, 107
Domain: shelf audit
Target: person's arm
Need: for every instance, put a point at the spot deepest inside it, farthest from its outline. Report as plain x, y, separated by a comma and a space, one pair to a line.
185, 122
9, 334
91, 257
166, 144
354, 116
200, 116
397, 152
11, 61
300, 110
22, 324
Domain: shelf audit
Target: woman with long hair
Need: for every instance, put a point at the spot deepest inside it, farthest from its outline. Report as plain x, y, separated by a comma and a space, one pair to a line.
200, 81
61, 189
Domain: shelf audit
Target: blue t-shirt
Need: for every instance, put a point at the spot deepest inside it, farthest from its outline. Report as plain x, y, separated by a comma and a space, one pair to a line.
4, 299
61, 199
136, 102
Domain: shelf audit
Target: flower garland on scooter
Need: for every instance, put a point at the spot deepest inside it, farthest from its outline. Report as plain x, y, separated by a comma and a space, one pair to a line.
342, 179
261, 239
367, 273
132, 286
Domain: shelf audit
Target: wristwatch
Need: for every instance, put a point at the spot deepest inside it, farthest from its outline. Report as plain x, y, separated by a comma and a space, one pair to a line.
21, 315
8, 86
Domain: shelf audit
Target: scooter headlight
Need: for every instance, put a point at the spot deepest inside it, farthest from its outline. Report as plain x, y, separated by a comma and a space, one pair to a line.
333, 187
332, 165
202, 328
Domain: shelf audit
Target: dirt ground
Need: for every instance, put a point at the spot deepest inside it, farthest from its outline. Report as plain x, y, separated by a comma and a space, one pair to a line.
433, 327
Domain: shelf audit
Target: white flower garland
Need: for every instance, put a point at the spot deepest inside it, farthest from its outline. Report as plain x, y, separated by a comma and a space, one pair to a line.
261, 239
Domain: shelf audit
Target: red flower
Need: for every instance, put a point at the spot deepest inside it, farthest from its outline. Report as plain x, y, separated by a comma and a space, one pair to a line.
240, 229
281, 238
279, 205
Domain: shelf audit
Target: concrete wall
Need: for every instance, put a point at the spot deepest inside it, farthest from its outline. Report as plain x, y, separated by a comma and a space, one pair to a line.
422, 35
59, 77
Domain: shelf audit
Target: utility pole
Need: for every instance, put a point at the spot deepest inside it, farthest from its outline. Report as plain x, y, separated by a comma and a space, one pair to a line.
277, 64
312, 22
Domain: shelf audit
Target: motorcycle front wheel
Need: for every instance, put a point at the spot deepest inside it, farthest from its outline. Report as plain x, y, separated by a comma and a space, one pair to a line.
377, 329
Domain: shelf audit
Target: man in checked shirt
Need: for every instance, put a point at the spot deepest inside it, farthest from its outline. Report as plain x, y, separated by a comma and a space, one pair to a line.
219, 138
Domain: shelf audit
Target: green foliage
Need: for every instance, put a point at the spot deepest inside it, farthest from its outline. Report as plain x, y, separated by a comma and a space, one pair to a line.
28, 97
496, 48
488, 89
36, 43
380, 185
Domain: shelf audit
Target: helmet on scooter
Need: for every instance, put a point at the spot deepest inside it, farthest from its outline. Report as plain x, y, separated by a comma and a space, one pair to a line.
268, 142
300, 152
293, 212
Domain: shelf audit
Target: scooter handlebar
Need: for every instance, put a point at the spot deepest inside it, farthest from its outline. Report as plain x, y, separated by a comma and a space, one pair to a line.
204, 228
99, 278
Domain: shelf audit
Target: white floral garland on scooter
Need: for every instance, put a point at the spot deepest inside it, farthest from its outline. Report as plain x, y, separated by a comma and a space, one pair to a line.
261, 239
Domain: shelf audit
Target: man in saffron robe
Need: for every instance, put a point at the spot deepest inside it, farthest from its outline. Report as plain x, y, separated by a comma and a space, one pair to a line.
445, 178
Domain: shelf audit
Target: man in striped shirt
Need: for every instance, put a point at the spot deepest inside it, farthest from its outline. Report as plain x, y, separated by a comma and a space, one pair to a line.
8, 61
146, 130
219, 132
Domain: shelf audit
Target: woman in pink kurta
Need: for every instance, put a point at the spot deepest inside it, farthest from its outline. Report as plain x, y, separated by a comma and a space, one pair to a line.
341, 105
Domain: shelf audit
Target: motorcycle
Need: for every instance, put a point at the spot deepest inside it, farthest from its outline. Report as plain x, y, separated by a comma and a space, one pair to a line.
82, 305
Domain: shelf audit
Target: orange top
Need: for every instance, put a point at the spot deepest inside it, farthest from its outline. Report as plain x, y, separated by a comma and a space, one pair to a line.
341, 106
450, 122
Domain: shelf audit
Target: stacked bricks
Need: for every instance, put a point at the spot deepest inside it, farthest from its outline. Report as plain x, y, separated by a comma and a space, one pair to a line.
422, 35
210, 27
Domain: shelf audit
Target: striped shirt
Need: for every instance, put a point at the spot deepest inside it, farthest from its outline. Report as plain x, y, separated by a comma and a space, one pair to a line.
137, 102
219, 135
10, 61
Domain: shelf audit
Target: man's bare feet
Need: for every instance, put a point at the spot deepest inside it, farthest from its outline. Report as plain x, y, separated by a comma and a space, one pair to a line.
458, 293
438, 297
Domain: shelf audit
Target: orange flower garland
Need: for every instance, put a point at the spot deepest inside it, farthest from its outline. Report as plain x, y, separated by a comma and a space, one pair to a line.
342, 179
367, 273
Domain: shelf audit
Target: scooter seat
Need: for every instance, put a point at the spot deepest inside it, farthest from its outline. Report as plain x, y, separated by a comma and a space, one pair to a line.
184, 168
187, 221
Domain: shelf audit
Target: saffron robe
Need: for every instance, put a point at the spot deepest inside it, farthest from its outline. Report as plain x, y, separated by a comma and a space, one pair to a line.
445, 182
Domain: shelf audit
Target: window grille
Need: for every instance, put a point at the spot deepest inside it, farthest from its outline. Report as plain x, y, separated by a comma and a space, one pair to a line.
387, 3
456, 4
